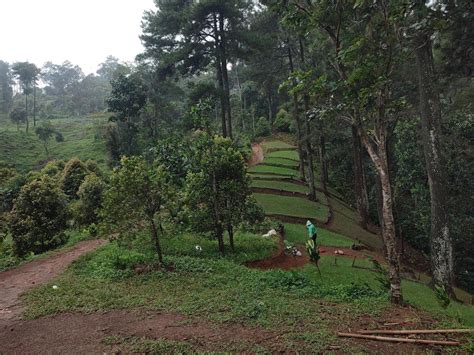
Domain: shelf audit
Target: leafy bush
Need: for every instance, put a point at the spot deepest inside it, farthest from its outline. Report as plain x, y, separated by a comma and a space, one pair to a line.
90, 199
39, 217
283, 121
72, 177
262, 127
287, 280
53, 168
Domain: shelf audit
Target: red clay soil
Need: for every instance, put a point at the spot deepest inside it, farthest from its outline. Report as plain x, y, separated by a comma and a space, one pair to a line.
257, 155
16, 281
84, 333
280, 260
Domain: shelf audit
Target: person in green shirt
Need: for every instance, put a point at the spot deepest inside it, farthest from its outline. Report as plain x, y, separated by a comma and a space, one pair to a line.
312, 232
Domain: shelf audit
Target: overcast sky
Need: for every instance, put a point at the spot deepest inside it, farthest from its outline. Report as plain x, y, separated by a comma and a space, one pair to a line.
84, 32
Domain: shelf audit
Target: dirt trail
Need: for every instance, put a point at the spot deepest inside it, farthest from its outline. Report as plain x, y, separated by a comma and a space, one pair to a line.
16, 281
84, 333
257, 154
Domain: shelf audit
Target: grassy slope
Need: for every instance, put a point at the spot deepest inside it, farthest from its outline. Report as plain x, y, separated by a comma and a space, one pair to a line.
262, 168
280, 185
25, 151
281, 161
288, 154
292, 206
345, 224
276, 144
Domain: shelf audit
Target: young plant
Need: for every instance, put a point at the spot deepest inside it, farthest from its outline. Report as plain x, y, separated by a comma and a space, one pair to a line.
313, 252
138, 195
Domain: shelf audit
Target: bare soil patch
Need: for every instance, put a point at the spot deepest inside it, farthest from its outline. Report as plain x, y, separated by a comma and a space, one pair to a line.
84, 333
257, 155
16, 281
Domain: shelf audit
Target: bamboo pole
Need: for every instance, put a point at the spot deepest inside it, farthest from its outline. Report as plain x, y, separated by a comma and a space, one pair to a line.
415, 331
398, 340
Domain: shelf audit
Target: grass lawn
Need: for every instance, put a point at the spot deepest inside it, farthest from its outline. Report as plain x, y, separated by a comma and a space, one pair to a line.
298, 234
280, 185
276, 144
281, 161
262, 168
81, 139
292, 206
345, 222
288, 154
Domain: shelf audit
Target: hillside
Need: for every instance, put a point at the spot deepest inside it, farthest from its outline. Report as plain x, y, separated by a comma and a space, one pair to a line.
82, 138
255, 299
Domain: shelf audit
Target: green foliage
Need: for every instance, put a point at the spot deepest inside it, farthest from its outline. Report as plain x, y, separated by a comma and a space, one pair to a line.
217, 193
442, 296
72, 177
44, 133
313, 251
39, 217
138, 195
292, 206
382, 275
18, 116
283, 121
90, 195
262, 127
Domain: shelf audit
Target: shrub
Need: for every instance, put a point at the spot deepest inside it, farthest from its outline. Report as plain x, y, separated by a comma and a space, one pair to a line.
72, 177
262, 127
38, 218
53, 168
90, 199
283, 121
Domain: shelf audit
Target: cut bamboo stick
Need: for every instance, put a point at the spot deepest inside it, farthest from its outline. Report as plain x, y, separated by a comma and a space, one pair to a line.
398, 340
415, 331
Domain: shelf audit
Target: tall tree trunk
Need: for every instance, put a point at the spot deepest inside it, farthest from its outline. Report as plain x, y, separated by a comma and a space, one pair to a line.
225, 74
309, 153
322, 159
309, 149
156, 240
218, 230
362, 201
27, 120
220, 80
270, 111
296, 116
380, 159
230, 230
34, 105
430, 111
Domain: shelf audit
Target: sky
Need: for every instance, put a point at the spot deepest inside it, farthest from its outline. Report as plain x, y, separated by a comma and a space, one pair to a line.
84, 32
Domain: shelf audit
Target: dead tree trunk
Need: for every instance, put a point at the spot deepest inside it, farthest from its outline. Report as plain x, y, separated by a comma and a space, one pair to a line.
430, 112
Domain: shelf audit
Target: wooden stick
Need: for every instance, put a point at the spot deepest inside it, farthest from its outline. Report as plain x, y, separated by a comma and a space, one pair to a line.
398, 340
415, 331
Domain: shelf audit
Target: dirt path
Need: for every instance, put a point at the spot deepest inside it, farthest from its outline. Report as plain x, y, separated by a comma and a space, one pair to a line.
16, 281
257, 154
85, 333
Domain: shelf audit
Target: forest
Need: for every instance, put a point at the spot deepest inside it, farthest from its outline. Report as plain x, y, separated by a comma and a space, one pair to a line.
241, 117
